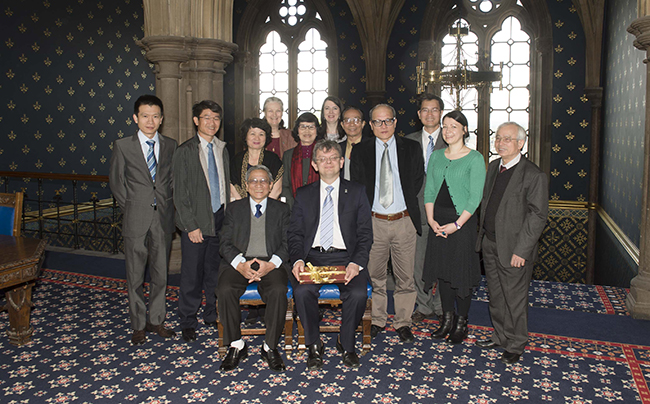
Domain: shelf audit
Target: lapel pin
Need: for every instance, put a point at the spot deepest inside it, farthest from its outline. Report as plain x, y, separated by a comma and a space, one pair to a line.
345, 191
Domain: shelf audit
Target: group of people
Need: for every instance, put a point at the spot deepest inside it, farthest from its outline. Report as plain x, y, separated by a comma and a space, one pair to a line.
325, 195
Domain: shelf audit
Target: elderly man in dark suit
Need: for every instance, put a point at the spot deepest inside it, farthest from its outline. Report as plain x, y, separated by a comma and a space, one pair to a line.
513, 215
392, 169
330, 225
141, 180
254, 249
201, 175
430, 139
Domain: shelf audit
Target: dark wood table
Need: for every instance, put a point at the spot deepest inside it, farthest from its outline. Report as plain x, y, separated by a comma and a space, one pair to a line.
20, 265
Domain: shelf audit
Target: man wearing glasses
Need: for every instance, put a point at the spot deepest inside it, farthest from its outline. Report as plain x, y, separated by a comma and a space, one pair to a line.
353, 125
392, 169
254, 249
201, 178
513, 215
430, 139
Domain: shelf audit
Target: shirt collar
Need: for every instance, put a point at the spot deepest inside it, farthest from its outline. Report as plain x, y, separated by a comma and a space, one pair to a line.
143, 138
512, 162
253, 203
390, 142
335, 184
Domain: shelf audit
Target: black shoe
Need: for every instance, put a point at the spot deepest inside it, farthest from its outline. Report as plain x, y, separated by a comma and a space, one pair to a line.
509, 357
231, 361
211, 324
189, 334
315, 355
405, 334
350, 359
375, 329
459, 331
446, 324
418, 317
486, 343
274, 360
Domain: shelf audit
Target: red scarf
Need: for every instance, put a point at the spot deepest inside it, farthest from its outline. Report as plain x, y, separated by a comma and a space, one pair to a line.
296, 169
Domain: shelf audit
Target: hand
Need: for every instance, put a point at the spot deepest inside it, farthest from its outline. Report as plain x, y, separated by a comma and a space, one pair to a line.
446, 230
435, 226
195, 236
351, 271
245, 269
298, 267
516, 261
264, 268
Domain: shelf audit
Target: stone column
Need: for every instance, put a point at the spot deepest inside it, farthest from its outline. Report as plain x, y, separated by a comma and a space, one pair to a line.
638, 300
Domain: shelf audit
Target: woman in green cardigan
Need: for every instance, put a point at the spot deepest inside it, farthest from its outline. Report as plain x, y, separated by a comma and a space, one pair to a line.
453, 191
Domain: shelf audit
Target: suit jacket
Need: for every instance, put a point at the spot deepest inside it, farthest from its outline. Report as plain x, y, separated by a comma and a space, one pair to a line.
440, 144
354, 221
135, 191
411, 172
192, 195
522, 213
235, 232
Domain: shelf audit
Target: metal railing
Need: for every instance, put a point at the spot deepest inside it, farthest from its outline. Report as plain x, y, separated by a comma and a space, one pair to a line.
56, 211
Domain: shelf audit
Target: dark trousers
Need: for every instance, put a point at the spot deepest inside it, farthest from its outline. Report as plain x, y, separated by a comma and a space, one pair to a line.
353, 296
508, 288
199, 275
273, 291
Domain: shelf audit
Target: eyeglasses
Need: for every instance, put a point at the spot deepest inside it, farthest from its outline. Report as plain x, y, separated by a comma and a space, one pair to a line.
258, 181
327, 159
209, 118
355, 121
307, 127
387, 122
506, 140
430, 110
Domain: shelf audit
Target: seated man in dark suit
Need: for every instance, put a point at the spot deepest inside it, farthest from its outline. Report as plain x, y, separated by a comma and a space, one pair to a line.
330, 225
254, 249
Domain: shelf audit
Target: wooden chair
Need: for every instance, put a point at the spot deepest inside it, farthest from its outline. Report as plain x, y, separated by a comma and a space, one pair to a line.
330, 295
251, 297
11, 213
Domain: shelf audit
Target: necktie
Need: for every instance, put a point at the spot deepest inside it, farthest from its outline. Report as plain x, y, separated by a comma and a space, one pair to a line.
385, 180
327, 220
213, 176
259, 211
151, 160
502, 169
429, 151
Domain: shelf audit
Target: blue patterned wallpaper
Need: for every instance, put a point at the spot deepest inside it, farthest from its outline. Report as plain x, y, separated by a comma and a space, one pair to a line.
70, 73
623, 121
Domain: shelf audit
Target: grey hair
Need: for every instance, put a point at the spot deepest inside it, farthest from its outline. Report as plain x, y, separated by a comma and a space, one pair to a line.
325, 145
272, 99
382, 105
521, 132
259, 167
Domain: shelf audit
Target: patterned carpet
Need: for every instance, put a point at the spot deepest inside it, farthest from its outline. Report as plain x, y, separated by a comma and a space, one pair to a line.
81, 353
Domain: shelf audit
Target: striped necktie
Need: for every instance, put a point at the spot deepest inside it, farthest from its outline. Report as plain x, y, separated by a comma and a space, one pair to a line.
385, 180
430, 147
327, 220
151, 160
213, 177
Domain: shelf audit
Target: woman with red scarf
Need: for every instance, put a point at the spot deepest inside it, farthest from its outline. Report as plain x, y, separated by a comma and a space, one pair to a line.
298, 170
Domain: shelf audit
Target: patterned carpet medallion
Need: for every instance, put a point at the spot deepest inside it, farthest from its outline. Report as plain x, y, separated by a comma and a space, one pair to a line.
81, 353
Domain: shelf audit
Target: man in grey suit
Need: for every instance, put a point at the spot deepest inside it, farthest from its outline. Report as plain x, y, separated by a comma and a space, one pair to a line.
201, 175
430, 139
254, 249
513, 215
141, 180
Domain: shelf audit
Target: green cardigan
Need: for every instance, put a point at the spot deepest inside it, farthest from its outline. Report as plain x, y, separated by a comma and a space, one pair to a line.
465, 178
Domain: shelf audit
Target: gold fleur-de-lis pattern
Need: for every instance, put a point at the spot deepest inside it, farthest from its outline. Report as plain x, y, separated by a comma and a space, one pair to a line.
70, 73
624, 122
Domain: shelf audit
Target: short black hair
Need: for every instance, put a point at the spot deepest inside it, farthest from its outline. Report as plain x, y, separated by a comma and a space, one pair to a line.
259, 123
198, 108
349, 107
147, 99
430, 97
304, 117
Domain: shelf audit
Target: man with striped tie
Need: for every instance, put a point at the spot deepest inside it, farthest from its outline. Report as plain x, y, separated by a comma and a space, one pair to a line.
202, 189
330, 225
141, 180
